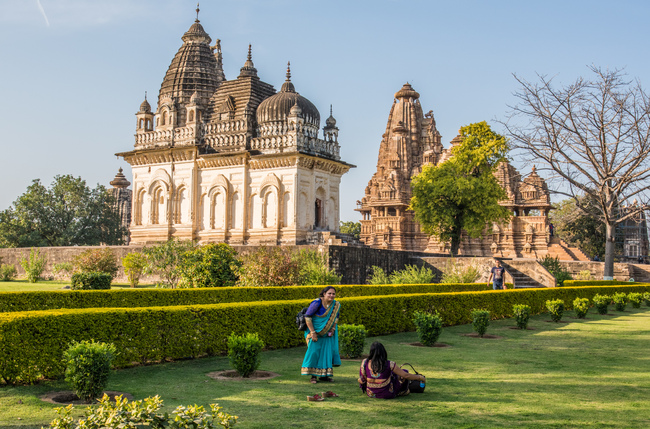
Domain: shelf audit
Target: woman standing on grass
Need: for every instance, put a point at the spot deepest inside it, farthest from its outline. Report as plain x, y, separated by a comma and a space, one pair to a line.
322, 355
381, 378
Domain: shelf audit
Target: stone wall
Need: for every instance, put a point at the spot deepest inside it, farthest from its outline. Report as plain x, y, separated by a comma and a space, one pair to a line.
622, 271
484, 265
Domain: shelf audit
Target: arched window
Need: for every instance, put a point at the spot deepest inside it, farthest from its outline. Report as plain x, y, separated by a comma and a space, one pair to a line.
191, 118
141, 123
164, 118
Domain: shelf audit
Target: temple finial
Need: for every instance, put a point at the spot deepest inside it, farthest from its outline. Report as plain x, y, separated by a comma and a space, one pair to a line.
145, 96
288, 71
197, 12
330, 110
250, 57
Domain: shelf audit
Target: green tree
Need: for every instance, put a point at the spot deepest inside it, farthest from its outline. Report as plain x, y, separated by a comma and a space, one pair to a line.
211, 265
577, 228
351, 228
462, 193
68, 213
166, 259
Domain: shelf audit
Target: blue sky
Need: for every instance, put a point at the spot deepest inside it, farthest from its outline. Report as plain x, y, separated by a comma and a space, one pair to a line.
74, 72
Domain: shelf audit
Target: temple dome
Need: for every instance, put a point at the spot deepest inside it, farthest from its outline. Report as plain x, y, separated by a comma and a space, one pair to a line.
145, 106
407, 91
279, 106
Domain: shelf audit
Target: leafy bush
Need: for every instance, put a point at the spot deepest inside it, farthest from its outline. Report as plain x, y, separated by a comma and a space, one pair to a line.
34, 265
352, 339
635, 299
585, 275
245, 352
63, 270
314, 269
379, 276
134, 265
90, 281
351, 228
556, 269
88, 366
269, 266
412, 274
556, 309
142, 413
165, 259
581, 307
620, 301
7, 272
480, 321
601, 302
459, 273
101, 260
522, 314
646, 298
429, 327
211, 265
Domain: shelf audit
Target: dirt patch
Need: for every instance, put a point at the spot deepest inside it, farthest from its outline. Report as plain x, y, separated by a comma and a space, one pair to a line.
233, 375
67, 397
357, 359
528, 328
419, 344
485, 337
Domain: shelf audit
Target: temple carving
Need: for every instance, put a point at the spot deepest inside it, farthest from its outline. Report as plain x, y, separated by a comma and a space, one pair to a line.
411, 140
231, 160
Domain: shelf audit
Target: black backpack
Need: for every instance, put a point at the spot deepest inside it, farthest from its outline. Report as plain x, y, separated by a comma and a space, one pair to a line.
301, 323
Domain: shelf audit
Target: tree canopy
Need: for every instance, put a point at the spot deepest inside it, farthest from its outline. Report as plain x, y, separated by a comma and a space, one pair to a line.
594, 136
462, 193
577, 228
68, 213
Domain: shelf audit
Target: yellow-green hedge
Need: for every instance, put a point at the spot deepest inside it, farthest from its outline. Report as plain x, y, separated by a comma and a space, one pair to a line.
49, 300
33, 342
576, 283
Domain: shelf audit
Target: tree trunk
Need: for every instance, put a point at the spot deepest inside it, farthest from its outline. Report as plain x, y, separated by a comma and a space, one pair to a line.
610, 238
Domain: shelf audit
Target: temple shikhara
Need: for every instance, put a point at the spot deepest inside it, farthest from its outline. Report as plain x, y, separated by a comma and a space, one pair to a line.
411, 140
231, 160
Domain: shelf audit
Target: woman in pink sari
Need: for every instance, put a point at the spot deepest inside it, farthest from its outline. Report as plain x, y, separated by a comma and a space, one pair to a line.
381, 378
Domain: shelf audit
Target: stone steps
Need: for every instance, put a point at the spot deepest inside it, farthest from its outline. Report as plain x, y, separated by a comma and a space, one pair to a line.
558, 248
521, 280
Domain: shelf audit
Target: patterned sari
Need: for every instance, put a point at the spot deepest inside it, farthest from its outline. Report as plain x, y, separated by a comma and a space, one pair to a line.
386, 385
323, 355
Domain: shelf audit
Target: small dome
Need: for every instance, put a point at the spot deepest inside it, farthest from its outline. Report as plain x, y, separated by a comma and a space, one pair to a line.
330, 122
248, 69
295, 110
277, 107
196, 33
407, 91
145, 106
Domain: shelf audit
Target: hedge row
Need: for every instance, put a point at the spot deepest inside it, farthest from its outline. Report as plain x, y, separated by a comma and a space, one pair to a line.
50, 300
33, 342
576, 283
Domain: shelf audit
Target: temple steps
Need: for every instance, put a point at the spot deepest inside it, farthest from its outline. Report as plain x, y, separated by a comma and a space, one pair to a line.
558, 248
522, 280
640, 272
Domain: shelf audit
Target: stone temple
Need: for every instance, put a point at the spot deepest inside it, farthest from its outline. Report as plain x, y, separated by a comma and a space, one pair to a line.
231, 160
412, 140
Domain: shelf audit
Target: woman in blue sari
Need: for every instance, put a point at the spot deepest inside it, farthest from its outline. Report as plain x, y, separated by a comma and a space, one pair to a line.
322, 338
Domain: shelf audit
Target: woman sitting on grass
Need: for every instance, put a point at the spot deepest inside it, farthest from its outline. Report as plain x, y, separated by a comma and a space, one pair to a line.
322, 355
381, 378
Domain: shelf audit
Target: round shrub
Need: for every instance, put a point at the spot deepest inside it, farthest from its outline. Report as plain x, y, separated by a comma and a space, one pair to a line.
91, 281
7, 272
212, 265
522, 314
429, 327
581, 307
635, 299
480, 321
88, 365
601, 302
646, 298
245, 353
352, 339
101, 260
620, 301
556, 309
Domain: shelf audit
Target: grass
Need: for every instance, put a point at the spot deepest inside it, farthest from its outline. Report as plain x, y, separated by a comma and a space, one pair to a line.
586, 373
24, 285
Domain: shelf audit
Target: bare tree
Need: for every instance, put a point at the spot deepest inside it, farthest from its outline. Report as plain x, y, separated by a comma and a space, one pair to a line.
594, 135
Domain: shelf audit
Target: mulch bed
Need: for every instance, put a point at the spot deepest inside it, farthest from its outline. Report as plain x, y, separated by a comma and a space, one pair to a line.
67, 397
528, 328
233, 375
485, 337
419, 344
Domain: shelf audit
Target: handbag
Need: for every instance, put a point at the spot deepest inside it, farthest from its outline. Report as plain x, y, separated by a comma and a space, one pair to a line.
301, 323
415, 386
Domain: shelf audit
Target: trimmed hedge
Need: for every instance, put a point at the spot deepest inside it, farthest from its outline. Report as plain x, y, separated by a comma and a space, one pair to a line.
33, 342
94, 280
50, 300
577, 283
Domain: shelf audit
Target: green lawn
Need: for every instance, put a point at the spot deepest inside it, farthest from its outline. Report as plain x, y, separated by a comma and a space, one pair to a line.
24, 285
586, 373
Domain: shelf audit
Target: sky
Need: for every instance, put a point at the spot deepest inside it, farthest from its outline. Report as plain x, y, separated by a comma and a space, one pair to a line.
73, 72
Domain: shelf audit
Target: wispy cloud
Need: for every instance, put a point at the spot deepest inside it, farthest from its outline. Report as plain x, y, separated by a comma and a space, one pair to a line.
40, 7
